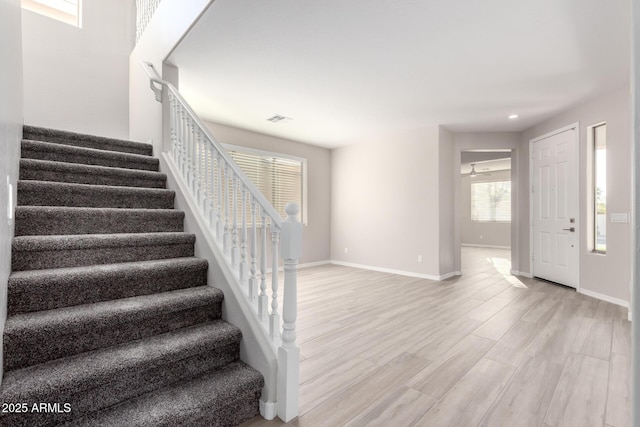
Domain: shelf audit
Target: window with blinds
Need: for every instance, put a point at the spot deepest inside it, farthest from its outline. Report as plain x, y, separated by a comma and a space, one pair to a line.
491, 201
280, 178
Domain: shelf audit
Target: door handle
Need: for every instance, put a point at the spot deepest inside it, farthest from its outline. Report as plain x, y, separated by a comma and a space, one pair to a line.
570, 229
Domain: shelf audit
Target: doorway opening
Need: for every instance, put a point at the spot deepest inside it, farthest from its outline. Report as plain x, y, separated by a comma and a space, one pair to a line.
485, 207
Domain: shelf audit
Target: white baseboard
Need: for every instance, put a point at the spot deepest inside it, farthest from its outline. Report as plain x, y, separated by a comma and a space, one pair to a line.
521, 273
268, 410
314, 264
606, 298
473, 245
399, 272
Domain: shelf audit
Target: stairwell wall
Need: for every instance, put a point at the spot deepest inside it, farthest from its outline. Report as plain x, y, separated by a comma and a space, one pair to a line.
76, 79
11, 112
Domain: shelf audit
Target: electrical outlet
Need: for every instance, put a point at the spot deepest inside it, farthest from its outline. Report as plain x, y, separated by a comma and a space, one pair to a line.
481, 237
419, 258
346, 250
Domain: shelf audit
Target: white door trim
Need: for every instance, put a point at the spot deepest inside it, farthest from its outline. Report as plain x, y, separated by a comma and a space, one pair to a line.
575, 126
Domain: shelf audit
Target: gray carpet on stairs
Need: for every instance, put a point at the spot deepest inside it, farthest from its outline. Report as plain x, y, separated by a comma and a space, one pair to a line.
45, 170
108, 310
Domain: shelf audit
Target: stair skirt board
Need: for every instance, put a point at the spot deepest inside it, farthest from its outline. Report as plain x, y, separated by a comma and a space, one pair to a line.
109, 313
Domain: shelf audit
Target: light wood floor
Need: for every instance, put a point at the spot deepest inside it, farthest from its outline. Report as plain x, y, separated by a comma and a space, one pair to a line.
482, 349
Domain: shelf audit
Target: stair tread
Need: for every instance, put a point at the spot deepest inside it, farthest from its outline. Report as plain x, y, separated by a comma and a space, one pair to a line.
103, 270
114, 189
72, 209
90, 169
183, 403
138, 307
49, 193
46, 289
75, 137
87, 370
89, 152
86, 241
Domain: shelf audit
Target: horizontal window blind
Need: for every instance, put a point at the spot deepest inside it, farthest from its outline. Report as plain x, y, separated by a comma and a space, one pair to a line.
491, 201
280, 179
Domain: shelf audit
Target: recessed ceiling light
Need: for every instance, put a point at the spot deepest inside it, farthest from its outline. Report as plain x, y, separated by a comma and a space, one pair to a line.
279, 118
513, 116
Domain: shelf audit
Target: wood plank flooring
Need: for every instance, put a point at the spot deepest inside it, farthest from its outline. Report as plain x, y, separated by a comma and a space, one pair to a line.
483, 349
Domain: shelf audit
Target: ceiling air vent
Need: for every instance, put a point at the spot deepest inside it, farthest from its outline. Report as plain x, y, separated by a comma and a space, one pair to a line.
279, 118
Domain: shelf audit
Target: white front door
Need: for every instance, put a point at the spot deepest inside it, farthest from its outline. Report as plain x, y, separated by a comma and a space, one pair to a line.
555, 208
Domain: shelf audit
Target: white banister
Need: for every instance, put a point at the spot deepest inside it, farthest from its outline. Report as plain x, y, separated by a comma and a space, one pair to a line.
242, 223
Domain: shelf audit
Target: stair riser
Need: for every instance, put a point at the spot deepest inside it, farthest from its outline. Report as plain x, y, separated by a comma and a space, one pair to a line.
110, 391
77, 140
52, 222
56, 291
38, 260
88, 159
234, 413
66, 173
27, 349
108, 197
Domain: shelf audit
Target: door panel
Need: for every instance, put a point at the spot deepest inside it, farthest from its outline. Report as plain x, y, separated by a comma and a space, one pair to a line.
555, 204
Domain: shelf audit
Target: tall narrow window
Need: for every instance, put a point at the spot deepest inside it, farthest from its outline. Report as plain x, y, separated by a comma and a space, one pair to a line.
600, 187
491, 201
281, 178
67, 11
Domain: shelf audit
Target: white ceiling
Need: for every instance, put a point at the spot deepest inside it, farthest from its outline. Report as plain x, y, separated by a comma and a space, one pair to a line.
357, 71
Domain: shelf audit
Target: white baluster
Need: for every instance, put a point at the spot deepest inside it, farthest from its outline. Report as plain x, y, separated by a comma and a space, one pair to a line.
243, 269
219, 223
289, 353
190, 155
184, 145
263, 299
227, 203
182, 164
253, 281
274, 319
179, 138
172, 124
209, 170
235, 250
197, 160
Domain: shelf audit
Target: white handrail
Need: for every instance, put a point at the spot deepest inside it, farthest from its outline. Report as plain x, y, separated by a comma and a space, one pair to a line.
222, 191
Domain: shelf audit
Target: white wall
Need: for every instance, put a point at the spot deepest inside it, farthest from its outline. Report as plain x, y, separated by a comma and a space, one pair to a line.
10, 134
317, 232
476, 233
76, 79
609, 274
385, 203
446, 205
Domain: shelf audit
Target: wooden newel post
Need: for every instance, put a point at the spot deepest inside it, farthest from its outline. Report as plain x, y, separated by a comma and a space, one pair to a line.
289, 353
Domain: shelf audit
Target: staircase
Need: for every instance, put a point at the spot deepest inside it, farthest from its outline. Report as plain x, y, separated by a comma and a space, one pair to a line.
110, 319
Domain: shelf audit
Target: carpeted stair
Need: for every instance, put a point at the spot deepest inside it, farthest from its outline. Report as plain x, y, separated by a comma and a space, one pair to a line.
110, 318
